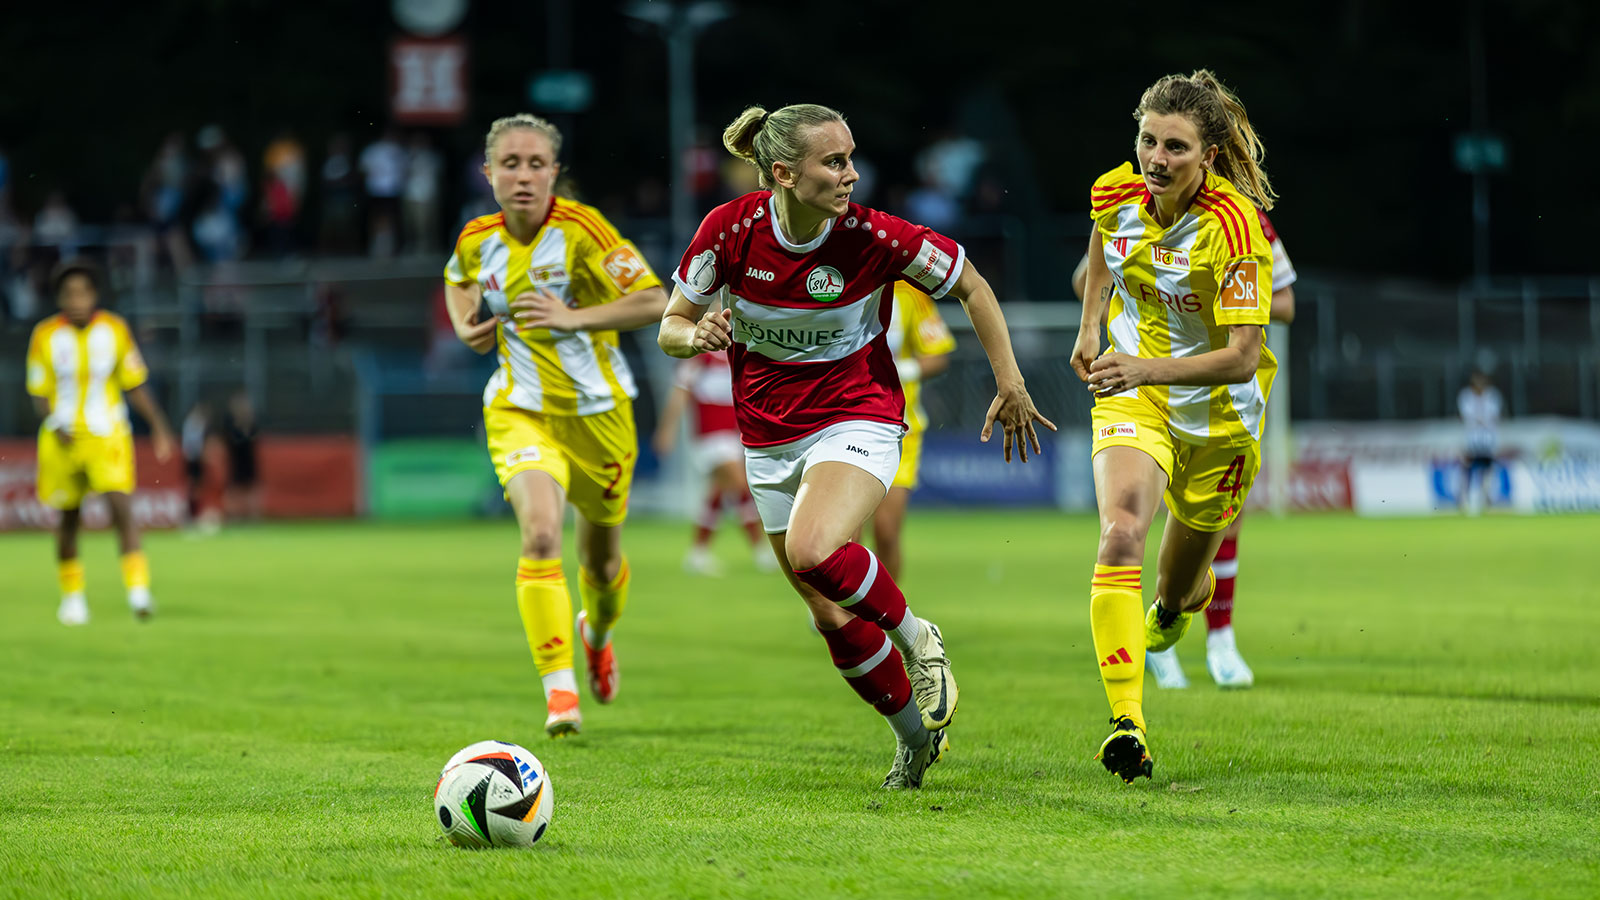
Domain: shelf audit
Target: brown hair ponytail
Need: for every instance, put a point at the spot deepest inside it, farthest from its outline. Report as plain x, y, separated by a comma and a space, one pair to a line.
1220, 118
761, 138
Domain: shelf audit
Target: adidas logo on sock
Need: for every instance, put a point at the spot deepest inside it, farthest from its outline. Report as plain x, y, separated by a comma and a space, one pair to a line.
1117, 658
551, 644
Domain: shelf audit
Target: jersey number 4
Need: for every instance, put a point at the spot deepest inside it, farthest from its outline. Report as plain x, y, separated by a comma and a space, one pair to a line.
1235, 472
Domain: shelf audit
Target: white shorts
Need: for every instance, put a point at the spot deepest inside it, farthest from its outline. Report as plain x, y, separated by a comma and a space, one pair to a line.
714, 449
775, 472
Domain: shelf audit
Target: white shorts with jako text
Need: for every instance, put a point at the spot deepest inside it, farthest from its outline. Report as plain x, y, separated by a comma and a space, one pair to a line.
775, 472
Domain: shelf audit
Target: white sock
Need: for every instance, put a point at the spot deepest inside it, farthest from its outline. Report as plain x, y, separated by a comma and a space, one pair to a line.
907, 725
139, 597
904, 636
559, 680
595, 638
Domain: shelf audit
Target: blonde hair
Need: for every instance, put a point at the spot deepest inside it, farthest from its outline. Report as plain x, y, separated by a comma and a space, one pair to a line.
761, 138
1221, 120
521, 120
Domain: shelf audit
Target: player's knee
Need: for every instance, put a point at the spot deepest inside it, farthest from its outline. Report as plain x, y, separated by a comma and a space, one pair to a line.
1122, 541
541, 543
807, 553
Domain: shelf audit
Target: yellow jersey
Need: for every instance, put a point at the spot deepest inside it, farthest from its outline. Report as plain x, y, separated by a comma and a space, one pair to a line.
83, 372
579, 257
1177, 289
915, 329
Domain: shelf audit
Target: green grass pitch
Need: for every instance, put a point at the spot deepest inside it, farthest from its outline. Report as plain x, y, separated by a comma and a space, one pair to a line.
1426, 723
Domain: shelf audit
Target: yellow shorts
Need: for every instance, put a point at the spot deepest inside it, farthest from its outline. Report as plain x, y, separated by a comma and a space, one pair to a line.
591, 457
1206, 483
910, 461
67, 472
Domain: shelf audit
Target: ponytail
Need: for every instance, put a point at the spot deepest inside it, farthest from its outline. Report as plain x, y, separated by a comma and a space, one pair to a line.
761, 138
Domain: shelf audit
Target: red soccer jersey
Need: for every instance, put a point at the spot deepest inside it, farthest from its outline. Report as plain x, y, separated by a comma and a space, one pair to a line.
709, 381
810, 320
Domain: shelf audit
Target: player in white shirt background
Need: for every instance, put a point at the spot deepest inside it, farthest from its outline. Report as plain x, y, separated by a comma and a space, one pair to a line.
1480, 406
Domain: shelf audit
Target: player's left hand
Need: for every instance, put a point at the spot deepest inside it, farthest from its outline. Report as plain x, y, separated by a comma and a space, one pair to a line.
543, 309
1116, 372
162, 443
1014, 410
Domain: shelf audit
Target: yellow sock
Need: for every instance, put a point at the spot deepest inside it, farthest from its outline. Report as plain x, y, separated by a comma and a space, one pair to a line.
603, 603
135, 570
1117, 618
70, 572
546, 613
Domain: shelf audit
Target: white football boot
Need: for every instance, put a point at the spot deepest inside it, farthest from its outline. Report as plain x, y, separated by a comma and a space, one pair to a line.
1164, 665
1223, 661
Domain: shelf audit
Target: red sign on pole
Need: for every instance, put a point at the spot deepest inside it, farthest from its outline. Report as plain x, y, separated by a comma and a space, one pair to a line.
428, 81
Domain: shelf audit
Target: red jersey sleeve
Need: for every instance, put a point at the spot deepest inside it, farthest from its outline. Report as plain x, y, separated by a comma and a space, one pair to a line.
703, 270
918, 255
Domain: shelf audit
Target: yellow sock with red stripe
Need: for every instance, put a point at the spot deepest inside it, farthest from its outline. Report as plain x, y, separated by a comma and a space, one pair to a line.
546, 610
1116, 616
603, 603
70, 573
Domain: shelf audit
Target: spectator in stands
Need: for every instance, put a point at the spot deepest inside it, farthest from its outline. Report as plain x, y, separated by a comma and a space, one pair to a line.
341, 199
424, 173
226, 169
283, 187
950, 163
383, 170
240, 431
933, 206
1479, 405
164, 193
216, 231
57, 225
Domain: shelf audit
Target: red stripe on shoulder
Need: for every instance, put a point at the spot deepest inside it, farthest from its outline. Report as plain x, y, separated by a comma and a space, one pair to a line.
605, 235
1101, 204
562, 216
479, 226
1209, 205
1119, 187
1243, 222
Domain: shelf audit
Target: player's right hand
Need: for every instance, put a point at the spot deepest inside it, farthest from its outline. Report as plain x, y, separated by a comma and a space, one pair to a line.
478, 335
1084, 352
713, 332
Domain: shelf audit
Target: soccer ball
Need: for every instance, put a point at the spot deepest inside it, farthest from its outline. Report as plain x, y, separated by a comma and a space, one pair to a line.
493, 794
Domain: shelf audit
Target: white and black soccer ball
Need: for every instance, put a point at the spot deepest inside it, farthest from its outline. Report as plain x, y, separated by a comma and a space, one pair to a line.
493, 794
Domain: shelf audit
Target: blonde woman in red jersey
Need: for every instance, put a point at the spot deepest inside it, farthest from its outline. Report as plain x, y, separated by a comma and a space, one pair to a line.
1179, 261
807, 276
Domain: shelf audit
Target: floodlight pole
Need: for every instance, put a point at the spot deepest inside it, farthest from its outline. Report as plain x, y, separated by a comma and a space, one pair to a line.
680, 25
1480, 126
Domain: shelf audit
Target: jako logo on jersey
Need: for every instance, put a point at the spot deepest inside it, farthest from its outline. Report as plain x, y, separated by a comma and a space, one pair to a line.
702, 273
1168, 258
825, 283
854, 449
759, 274
1120, 429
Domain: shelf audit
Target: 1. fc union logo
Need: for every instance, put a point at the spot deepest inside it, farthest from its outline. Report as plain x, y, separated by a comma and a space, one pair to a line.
824, 283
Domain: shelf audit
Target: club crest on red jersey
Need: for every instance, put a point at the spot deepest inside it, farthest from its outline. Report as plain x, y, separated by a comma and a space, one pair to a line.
824, 283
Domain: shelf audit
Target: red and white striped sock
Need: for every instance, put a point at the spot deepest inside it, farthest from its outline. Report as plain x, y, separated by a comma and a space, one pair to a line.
852, 578
874, 669
1220, 613
706, 521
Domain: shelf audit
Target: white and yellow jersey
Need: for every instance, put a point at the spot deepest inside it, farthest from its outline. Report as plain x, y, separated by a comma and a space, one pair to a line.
83, 372
915, 329
1178, 289
579, 257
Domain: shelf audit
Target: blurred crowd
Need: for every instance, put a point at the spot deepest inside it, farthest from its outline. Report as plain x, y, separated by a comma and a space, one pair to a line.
201, 200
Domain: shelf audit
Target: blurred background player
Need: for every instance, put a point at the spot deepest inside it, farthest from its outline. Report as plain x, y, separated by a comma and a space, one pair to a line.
705, 383
240, 434
804, 270
921, 343
559, 410
1179, 257
1479, 405
82, 362
195, 432
1223, 662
